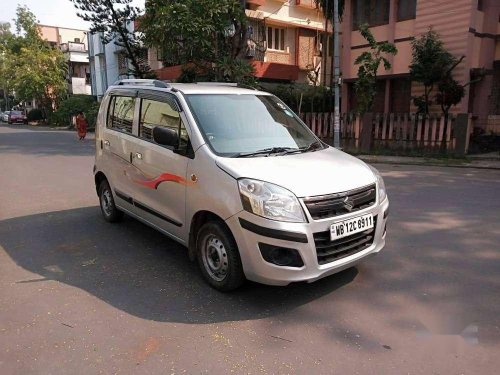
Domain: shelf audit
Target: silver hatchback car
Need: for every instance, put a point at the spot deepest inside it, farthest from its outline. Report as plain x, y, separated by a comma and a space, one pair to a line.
235, 176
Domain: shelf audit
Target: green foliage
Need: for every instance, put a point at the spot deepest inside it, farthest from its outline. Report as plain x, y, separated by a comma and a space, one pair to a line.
369, 62
236, 70
29, 66
71, 106
431, 63
35, 115
207, 37
110, 18
450, 93
314, 98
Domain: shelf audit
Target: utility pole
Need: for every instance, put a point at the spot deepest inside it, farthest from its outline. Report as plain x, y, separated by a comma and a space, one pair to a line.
336, 68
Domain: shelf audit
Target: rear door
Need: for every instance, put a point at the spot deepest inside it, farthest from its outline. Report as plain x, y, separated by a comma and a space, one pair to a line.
160, 190
118, 139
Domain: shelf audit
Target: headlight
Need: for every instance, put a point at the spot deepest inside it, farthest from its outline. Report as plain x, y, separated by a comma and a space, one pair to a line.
382, 193
270, 201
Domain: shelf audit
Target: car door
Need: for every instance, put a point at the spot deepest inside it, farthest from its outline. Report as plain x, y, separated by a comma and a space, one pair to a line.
118, 139
160, 190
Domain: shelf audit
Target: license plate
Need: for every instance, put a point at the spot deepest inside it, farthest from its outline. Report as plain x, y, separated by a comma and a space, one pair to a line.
352, 226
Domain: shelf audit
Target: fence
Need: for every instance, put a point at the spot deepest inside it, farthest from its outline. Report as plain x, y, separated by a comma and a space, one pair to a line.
395, 131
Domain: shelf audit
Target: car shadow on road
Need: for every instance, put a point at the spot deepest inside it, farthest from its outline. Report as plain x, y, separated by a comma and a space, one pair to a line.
140, 271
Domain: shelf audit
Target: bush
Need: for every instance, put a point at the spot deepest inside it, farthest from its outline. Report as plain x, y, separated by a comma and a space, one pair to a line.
314, 98
35, 115
71, 106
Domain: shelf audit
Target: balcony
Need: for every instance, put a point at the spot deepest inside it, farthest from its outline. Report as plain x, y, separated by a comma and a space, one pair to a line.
311, 4
79, 85
273, 70
73, 47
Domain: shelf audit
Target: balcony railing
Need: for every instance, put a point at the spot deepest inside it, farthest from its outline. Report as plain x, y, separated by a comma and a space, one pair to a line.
73, 47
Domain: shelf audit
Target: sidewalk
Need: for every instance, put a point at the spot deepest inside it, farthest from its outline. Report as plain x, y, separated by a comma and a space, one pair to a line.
471, 162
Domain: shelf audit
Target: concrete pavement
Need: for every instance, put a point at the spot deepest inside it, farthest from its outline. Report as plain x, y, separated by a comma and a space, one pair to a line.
78, 295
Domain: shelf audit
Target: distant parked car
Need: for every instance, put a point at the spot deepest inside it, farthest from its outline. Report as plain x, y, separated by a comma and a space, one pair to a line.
16, 117
5, 116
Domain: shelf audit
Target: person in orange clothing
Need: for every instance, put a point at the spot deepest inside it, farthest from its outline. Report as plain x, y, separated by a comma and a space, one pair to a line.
81, 125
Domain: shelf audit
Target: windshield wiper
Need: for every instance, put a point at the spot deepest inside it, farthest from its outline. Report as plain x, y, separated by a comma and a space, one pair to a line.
313, 146
265, 151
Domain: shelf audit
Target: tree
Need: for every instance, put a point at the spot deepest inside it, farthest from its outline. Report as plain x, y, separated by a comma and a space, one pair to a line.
369, 62
111, 18
432, 64
207, 37
450, 92
31, 67
6, 37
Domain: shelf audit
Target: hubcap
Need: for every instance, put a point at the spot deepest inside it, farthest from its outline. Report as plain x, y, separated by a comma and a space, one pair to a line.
106, 202
215, 257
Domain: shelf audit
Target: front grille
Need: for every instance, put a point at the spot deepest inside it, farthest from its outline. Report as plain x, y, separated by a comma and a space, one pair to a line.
329, 251
325, 206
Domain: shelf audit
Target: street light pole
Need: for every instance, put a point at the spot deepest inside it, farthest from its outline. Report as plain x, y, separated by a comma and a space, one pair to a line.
336, 68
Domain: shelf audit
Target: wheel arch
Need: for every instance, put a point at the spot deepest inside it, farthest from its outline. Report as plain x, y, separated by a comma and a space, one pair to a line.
199, 218
98, 178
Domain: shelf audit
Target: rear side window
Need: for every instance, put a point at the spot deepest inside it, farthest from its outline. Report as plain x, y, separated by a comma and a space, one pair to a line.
121, 113
158, 113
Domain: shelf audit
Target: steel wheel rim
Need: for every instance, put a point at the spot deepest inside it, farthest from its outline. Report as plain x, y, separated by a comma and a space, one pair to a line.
214, 257
106, 202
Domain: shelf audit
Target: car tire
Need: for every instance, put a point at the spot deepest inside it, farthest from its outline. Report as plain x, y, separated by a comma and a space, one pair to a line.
106, 201
218, 257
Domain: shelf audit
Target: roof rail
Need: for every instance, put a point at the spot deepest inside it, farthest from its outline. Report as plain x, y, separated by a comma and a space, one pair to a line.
146, 82
230, 84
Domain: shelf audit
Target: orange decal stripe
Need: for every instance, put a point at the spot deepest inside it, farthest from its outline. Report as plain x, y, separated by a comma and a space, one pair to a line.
164, 177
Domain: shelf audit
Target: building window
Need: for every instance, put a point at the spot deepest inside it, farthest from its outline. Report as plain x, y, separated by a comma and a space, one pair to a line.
400, 95
407, 10
480, 5
121, 113
77, 40
276, 38
371, 12
122, 64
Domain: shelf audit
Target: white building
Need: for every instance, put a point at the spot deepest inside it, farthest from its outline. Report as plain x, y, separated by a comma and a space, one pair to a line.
107, 63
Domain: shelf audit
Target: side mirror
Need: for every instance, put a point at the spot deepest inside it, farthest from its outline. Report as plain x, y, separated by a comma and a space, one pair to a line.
165, 136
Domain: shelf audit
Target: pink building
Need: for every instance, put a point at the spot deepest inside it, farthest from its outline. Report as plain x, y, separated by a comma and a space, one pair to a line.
469, 28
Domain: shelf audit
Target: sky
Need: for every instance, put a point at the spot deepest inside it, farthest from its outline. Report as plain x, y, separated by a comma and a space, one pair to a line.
60, 13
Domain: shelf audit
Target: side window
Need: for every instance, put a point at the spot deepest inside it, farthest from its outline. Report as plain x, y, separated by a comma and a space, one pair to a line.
121, 113
155, 113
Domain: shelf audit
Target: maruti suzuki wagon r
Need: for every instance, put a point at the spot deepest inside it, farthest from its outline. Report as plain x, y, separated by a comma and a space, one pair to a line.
235, 176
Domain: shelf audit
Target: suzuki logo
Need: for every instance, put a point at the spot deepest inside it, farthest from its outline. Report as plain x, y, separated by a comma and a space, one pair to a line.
348, 204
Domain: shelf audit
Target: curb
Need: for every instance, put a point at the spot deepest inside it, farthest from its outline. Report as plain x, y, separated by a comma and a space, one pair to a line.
429, 164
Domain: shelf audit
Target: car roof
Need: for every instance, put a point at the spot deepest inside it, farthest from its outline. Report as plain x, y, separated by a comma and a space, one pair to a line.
214, 88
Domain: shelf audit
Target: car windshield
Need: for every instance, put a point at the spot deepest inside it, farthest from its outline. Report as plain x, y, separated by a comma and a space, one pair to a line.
17, 113
234, 125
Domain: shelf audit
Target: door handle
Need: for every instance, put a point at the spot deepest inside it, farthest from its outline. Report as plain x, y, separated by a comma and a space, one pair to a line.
135, 155
106, 143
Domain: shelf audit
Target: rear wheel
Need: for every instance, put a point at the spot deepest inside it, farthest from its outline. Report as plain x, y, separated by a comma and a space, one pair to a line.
219, 258
108, 207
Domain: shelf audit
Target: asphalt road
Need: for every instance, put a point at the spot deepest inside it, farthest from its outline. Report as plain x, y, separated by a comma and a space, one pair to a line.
80, 296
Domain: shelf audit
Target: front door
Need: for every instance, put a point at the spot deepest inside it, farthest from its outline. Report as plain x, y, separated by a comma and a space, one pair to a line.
160, 189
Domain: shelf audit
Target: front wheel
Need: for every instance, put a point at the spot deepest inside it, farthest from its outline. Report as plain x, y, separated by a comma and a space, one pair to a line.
219, 258
108, 207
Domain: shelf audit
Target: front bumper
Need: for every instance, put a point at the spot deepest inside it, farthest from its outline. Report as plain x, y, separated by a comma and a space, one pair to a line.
257, 269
